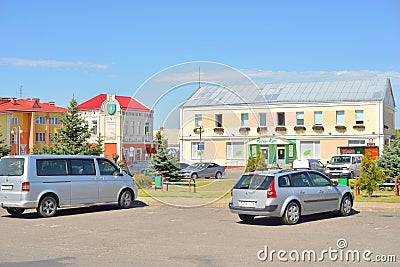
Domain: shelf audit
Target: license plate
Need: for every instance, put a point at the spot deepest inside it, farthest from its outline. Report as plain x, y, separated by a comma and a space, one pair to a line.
6, 187
247, 204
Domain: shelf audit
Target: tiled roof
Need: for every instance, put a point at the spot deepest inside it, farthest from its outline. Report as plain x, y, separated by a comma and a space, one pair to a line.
301, 92
29, 105
126, 102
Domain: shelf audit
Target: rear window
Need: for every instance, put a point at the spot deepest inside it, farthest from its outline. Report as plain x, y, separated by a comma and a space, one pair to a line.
254, 182
11, 167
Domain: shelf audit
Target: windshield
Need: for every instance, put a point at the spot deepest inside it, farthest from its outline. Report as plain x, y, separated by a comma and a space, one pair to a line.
254, 182
336, 160
11, 167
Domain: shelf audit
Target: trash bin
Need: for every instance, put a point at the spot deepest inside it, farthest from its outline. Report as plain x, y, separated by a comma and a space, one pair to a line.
157, 182
343, 181
145, 172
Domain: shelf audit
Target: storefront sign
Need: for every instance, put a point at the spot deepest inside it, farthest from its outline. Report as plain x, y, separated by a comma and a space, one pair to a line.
268, 141
110, 128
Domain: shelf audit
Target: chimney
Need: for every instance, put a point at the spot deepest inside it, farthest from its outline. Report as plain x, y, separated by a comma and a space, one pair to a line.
13, 101
52, 103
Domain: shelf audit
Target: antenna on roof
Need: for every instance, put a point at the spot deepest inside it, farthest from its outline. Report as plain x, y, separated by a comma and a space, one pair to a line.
20, 92
199, 77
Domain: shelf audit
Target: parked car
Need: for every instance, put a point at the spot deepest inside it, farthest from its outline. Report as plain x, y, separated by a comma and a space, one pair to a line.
310, 164
288, 194
203, 169
347, 165
48, 182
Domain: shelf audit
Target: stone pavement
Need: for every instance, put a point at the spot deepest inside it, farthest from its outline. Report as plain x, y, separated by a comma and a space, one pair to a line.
223, 203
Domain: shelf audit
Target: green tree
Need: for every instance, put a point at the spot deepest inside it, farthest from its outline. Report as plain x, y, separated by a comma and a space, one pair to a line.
256, 163
370, 175
163, 164
72, 137
389, 161
4, 149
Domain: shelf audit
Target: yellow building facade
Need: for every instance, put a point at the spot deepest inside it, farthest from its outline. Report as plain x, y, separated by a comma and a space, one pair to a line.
287, 121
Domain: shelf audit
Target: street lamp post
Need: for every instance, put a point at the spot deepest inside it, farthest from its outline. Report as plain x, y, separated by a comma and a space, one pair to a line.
17, 130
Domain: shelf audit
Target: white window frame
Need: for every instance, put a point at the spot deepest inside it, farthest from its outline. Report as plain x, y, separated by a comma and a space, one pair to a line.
359, 117
40, 120
317, 117
262, 119
300, 118
244, 119
340, 118
198, 120
232, 148
40, 137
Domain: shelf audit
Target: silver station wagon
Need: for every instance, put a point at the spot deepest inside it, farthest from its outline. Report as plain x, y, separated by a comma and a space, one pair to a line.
288, 194
47, 182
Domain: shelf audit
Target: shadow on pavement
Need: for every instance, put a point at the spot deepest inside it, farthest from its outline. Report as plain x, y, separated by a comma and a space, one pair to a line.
275, 221
31, 213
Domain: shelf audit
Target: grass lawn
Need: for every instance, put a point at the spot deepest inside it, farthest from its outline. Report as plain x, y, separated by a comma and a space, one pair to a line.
378, 196
211, 188
204, 189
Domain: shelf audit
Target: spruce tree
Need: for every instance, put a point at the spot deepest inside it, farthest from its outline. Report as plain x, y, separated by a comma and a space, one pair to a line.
389, 161
72, 137
164, 165
4, 149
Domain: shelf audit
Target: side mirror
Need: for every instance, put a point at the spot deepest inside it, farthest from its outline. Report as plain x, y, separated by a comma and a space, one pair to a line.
118, 173
334, 183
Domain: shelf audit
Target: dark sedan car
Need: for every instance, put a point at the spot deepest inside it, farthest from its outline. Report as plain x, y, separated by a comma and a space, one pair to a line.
203, 169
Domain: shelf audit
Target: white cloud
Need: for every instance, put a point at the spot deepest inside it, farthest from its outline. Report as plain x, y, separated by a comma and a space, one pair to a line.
20, 62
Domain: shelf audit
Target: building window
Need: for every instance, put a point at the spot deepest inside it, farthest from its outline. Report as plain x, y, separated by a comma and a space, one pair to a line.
198, 120
14, 139
235, 150
139, 154
299, 118
14, 121
94, 127
281, 118
360, 117
147, 128
317, 117
40, 120
54, 120
138, 128
356, 142
40, 137
197, 150
218, 120
244, 119
310, 150
340, 117
262, 117
133, 128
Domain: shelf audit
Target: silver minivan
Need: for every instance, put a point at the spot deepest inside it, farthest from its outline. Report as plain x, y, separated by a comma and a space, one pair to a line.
48, 182
288, 194
346, 165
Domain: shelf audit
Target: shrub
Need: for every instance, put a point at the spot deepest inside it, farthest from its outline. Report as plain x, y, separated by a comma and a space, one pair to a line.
143, 181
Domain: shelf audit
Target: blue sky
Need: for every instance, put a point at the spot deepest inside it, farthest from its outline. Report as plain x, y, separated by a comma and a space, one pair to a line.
60, 49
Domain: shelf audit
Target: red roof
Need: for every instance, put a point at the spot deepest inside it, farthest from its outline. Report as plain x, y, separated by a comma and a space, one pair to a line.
29, 105
126, 102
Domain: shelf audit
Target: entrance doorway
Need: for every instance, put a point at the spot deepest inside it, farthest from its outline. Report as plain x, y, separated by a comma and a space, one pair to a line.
281, 156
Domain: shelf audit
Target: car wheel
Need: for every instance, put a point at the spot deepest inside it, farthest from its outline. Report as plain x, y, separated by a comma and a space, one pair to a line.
47, 207
292, 213
194, 175
218, 175
125, 200
15, 211
346, 206
246, 218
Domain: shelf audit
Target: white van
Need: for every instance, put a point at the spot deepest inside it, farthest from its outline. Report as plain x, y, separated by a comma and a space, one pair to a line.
346, 165
48, 182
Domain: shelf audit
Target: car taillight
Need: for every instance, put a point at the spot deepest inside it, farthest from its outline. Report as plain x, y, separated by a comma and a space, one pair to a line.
26, 187
271, 193
232, 192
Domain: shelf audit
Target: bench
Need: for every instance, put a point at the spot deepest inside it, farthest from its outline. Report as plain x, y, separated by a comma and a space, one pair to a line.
384, 185
160, 181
